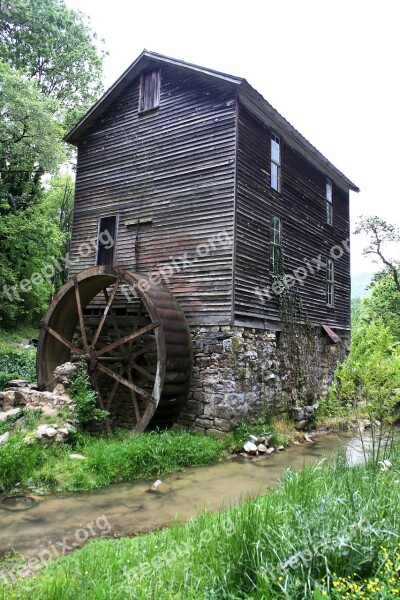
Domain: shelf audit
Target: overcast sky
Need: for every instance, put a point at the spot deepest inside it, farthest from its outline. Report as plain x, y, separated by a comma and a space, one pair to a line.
331, 68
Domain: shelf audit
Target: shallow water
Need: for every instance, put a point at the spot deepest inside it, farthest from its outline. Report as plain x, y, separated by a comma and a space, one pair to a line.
60, 522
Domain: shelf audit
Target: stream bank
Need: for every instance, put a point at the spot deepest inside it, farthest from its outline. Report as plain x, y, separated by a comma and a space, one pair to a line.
132, 508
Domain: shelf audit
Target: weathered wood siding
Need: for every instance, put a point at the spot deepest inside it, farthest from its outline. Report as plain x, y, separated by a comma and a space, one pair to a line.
173, 168
305, 235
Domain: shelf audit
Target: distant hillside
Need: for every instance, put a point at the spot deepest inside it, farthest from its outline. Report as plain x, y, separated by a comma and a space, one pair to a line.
359, 283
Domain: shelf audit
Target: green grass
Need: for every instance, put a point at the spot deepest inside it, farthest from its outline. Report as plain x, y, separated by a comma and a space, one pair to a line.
322, 523
17, 361
18, 335
33, 466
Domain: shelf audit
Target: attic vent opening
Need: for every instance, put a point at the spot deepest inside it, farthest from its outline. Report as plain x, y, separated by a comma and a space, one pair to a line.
149, 91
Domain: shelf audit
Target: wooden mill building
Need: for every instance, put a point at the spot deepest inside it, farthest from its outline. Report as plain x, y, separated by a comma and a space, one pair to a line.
206, 189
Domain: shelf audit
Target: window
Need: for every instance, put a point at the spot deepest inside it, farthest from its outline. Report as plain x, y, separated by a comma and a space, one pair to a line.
275, 163
275, 248
149, 91
328, 196
330, 283
106, 241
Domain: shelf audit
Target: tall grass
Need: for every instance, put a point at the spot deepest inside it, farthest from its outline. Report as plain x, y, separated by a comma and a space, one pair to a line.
320, 521
32, 466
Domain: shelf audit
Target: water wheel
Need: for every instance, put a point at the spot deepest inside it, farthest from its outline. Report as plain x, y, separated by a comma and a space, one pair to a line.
132, 336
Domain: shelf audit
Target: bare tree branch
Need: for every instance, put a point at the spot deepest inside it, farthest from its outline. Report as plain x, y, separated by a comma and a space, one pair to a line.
381, 233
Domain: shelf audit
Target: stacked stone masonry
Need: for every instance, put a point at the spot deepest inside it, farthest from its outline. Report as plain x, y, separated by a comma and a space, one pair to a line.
241, 373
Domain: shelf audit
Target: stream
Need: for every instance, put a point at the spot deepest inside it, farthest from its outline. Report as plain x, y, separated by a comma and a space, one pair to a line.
58, 523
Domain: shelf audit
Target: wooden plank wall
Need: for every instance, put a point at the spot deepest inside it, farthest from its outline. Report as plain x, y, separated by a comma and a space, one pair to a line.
174, 169
305, 234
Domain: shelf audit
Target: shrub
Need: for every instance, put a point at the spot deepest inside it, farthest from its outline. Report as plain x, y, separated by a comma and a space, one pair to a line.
16, 363
85, 397
371, 372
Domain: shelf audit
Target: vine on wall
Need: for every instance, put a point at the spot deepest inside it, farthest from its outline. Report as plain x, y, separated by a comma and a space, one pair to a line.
299, 347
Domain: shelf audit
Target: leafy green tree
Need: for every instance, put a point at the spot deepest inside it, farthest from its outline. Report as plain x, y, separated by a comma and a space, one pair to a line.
356, 312
371, 372
58, 204
29, 241
30, 139
50, 73
368, 382
55, 46
383, 304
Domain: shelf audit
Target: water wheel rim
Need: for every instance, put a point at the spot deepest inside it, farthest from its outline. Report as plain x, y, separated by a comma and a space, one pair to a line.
60, 322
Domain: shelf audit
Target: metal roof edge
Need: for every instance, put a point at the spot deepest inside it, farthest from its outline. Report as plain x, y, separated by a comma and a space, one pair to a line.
261, 108
138, 65
248, 96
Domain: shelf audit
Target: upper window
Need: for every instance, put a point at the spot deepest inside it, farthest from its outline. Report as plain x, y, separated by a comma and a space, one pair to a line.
275, 162
275, 248
106, 241
149, 91
328, 196
330, 283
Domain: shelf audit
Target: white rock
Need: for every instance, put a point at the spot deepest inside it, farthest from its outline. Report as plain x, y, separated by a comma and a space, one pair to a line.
50, 432
4, 438
281, 447
45, 431
385, 464
9, 413
160, 487
250, 448
77, 457
261, 448
308, 439
156, 485
40, 431
47, 410
270, 450
253, 438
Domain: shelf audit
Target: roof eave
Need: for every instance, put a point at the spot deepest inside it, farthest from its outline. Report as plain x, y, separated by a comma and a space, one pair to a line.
248, 96
262, 109
141, 62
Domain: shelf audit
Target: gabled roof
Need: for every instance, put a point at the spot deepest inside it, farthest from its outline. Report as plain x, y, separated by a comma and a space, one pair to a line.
248, 96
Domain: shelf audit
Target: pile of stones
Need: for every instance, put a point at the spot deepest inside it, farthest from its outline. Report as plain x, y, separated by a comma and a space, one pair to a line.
260, 444
21, 394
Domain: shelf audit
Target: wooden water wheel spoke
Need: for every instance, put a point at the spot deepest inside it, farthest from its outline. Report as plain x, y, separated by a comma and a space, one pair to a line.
130, 348
127, 338
126, 383
143, 350
112, 359
143, 371
133, 397
105, 312
80, 313
136, 322
63, 340
113, 319
111, 396
101, 403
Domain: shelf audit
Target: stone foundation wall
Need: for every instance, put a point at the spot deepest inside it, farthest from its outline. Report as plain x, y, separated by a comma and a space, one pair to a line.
240, 373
